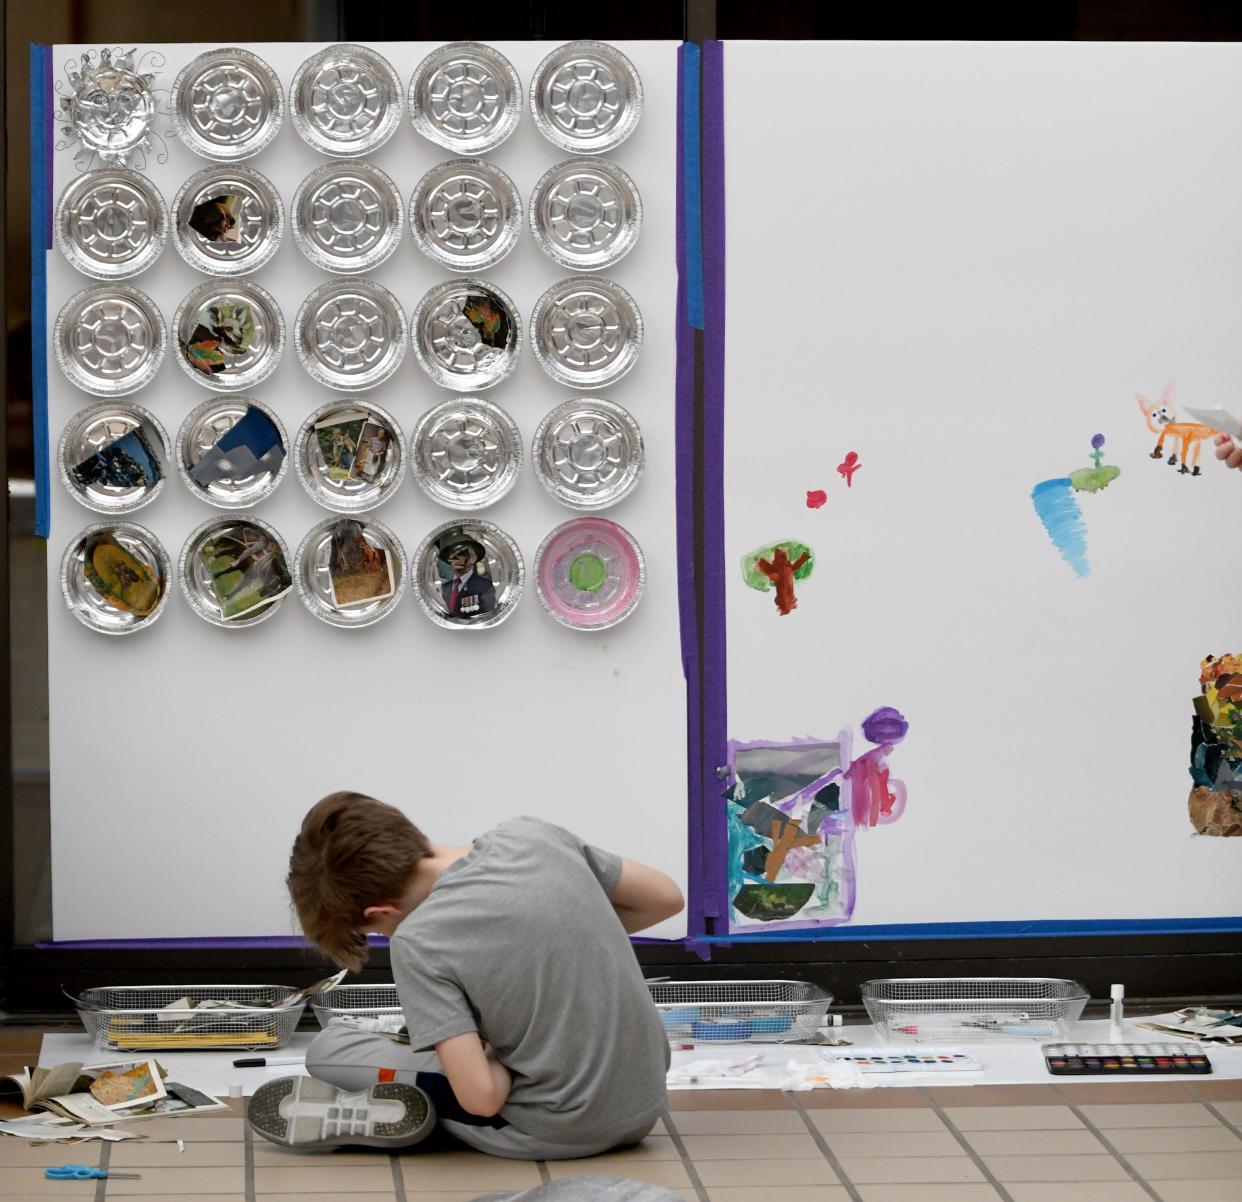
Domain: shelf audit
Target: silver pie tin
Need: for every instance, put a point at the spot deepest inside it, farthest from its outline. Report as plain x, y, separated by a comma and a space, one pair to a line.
244, 323
586, 331
109, 339
313, 578
467, 452
459, 353
88, 604
195, 577
347, 217
96, 427
346, 100
585, 213
227, 221
590, 574
111, 224
586, 97
350, 334
430, 574
466, 214
110, 107
203, 427
465, 96
229, 104
588, 453
350, 487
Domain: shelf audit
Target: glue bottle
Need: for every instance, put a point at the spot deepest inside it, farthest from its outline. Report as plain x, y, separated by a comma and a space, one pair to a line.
1116, 1014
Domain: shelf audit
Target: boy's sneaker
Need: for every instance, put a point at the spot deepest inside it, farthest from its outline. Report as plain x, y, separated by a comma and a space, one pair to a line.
302, 1112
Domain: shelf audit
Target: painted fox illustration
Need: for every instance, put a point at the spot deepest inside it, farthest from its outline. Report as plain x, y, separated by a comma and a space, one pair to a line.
1186, 436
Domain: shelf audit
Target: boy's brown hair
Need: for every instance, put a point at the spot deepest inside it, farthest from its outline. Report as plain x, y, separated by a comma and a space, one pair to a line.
352, 852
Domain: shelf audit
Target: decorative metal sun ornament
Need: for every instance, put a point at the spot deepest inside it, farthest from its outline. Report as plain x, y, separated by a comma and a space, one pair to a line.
108, 107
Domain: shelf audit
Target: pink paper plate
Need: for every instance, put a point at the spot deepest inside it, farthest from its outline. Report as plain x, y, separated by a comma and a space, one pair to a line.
589, 573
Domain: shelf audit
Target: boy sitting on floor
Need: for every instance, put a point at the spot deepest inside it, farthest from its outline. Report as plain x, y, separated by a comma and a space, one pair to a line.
532, 1033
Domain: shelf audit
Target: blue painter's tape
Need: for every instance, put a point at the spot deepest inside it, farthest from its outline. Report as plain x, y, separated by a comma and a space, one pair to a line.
692, 197
40, 240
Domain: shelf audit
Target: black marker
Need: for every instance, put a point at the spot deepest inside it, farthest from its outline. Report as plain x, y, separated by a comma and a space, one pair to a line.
264, 1061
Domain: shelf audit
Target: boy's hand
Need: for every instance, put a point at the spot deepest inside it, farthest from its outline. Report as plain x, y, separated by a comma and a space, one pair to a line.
1228, 450
644, 896
480, 1082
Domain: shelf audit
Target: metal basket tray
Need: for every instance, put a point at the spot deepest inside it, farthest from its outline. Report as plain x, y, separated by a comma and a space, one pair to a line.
740, 1011
931, 1009
129, 1017
355, 1002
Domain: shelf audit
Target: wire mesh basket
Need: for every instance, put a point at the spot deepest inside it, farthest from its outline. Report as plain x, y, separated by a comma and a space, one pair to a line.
740, 1011
372, 1007
154, 1017
926, 1009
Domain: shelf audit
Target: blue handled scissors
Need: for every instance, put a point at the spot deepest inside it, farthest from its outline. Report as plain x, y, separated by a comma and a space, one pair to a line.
84, 1172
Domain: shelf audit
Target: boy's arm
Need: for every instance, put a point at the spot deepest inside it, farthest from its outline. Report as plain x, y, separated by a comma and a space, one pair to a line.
644, 896
480, 1082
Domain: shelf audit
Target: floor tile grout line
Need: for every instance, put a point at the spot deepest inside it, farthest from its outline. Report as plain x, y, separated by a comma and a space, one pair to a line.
1211, 1108
982, 1165
248, 1156
105, 1159
828, 1154
686, 1162
1137, 1177
398, 1178
544, 1175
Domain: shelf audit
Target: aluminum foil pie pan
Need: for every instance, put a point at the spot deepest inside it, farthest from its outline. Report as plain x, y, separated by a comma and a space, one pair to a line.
114, 457
467, 452
116, 577
350, 572
227, 220
466, 334
482, 556
109, 339
350, 455
232, 451
465, 96
586, 331
586, 97
229, 104
588, 453
590, 574
234, 571
229, 334
466, 214
346, 100
111, 224
347, 217
585, 213
350, 334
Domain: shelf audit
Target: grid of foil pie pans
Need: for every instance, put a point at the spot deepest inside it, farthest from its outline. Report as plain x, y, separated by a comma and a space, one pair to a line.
585, 213
203, 427
590, 573
588, 453
312, 575
109, 339
88, 604
451, 348
245, 207
346, 100
228, 104
467, 452
466, 214
347, 216
111, 224
350, 334
257, 358
431, 576
95, 427
586, 331
196, 580
586, 97
346, 492
465, 96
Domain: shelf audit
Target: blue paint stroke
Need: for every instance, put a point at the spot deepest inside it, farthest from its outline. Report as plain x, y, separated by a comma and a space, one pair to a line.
1059, 512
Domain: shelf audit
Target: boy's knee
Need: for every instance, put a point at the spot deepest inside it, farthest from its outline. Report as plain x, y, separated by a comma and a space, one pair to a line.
326, 1049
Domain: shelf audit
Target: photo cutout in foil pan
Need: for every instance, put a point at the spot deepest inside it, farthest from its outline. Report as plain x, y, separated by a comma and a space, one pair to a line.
347, 217
468, 575
111, 224
465, 96
114, 457
589, 573
229, 335
109, 339
467, 452
466, 334
586, 331
234, 571
585, 213
116, 577
350, 455
232, 452
466, 214
228, 221
346, 100
588, 453
350, 334
350, 572
228, 104
586, 97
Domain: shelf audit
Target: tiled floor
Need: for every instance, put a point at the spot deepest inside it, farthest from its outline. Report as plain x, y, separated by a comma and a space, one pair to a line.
1024, 1143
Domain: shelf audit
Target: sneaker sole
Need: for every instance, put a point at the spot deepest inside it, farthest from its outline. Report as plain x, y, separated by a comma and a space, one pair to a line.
302, 1112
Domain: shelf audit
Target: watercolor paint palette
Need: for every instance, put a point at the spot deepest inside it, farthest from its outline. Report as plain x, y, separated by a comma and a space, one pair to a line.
1112, 1059
905, 1060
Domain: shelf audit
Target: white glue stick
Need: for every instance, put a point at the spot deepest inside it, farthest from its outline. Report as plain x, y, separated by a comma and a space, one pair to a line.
1116, 1014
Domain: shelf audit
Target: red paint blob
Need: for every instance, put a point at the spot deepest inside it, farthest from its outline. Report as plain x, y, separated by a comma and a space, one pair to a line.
815, 497
848, 467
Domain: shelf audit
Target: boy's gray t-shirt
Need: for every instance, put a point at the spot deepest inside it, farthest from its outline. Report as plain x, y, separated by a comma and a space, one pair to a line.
518, 941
